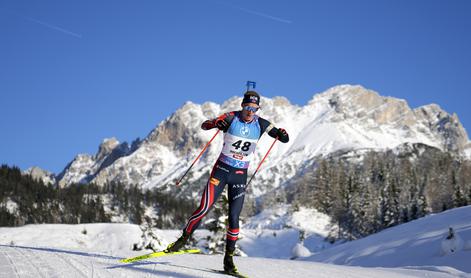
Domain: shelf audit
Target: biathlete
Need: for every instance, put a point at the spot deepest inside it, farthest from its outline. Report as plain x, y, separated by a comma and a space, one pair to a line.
242, 130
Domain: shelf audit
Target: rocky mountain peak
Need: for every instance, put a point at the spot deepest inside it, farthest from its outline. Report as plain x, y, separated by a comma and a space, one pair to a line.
106, 147
358, 103
40, 174
343, 118
444, 124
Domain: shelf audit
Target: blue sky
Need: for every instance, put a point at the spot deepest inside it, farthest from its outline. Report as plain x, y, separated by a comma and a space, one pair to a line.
75, 72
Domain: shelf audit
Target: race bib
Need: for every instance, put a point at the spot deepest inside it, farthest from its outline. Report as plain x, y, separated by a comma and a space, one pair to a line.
239, 148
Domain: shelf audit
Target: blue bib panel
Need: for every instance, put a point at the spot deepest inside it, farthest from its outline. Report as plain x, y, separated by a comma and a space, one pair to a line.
240, 142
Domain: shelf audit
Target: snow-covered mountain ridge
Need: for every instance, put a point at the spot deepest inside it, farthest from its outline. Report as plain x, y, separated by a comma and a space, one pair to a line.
343, 118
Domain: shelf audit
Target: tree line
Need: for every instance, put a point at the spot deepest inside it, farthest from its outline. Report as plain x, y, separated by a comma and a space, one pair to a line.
378, 190
24, 200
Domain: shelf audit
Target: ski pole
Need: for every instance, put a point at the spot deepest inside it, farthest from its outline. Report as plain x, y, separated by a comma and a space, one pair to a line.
201, 153
260, 164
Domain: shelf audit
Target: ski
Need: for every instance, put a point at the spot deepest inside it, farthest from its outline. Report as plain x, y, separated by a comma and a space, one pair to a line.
159, 254
234, 274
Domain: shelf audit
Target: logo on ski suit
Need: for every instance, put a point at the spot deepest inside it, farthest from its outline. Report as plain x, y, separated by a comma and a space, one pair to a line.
245, 131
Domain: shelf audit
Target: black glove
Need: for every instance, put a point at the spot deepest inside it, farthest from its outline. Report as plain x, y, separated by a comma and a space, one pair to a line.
282, 135
222, 125
207, 125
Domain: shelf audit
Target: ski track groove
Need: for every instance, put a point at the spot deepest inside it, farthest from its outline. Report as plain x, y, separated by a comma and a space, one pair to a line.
37, 255
12, 264
83, 265
34, 260
23, 267
69, 263
28, 256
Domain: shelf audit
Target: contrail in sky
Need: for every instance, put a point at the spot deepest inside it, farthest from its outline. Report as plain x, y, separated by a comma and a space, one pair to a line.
45, 24
53, 27
264, 15
279, 19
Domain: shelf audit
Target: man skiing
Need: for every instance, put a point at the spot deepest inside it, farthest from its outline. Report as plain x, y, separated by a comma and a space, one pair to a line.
242, 130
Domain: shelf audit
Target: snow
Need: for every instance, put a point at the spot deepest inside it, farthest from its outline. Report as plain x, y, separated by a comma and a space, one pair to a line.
450, 246
12, 207
467, 151
26, 261
276, 231
310, 220
417, 243
306, 219
50, 254
299, 250
93, 250
269, 243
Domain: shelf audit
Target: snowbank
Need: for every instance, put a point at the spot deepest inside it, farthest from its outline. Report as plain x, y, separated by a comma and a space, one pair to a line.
414, 244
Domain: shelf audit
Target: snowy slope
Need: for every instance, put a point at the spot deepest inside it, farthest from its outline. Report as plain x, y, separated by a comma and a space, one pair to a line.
25, 261
65, 251
414, 244
342, 118
276, 231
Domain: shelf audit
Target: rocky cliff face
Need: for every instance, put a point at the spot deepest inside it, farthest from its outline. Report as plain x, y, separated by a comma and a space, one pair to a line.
84, 167
40, 174
447, 127
343, 118
355, 102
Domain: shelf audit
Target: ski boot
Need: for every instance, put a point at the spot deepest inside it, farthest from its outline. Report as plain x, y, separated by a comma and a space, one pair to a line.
229, 266
179, 244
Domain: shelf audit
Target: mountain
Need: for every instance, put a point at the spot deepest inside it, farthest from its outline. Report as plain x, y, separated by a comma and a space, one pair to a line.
84, 167
40, 174
342, 119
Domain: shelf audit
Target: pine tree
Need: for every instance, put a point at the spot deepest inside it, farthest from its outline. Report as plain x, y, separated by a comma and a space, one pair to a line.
339, 182
217, 225
357, 205
322, 190
458, 197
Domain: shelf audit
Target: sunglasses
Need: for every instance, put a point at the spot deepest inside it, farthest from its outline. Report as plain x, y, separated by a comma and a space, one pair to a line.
250, 108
